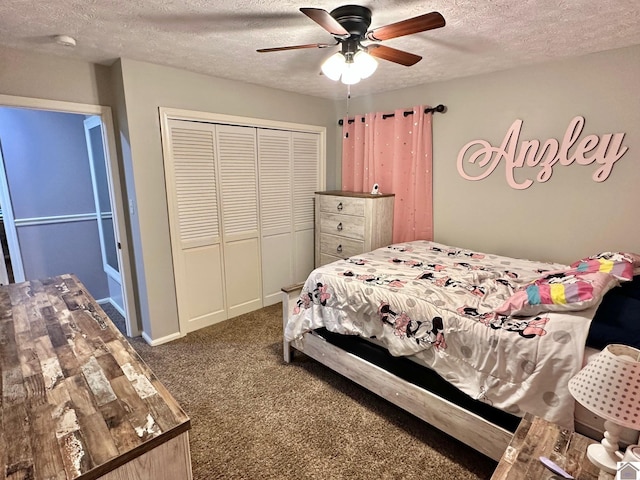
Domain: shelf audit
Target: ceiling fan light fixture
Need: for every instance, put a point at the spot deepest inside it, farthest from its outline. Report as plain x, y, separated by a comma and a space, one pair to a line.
350, 68
333, 66
364, 63
350, 74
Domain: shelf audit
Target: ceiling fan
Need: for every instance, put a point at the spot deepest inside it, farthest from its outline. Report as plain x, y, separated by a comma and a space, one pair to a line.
349, 25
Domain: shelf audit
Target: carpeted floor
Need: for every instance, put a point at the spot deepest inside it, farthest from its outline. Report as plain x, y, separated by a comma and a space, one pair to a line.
115, 317
255, 417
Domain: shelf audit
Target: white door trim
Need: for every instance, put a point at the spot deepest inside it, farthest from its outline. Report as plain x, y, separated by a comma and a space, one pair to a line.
89, 123
115, 187
9, 225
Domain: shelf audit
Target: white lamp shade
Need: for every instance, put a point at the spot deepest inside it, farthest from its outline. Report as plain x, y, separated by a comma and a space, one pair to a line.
337, 67
609, 385
333, 66
350, 74
365, 64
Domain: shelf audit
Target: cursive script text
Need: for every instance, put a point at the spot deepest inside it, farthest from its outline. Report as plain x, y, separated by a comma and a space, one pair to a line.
604, 151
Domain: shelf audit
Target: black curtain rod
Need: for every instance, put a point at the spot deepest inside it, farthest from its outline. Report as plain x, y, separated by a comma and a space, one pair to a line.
438, 108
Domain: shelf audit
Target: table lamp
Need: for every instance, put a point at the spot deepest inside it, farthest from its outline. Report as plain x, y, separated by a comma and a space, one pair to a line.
609, 386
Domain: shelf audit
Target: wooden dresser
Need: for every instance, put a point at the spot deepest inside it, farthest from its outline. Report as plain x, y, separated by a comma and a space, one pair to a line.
77, 400
350, 223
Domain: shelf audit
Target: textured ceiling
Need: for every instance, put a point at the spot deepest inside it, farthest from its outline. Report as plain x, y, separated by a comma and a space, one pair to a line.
220, 37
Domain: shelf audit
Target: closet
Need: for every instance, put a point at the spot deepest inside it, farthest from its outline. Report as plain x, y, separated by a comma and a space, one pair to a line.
241, 214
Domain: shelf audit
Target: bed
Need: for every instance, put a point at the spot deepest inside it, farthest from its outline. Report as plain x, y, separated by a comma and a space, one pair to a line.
506, 334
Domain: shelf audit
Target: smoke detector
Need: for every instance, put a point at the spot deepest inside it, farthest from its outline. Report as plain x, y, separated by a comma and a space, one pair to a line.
65, 40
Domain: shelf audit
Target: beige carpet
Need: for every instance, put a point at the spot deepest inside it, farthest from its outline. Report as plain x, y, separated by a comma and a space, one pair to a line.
255, 417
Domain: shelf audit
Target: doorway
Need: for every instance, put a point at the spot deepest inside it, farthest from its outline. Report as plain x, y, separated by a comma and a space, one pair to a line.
62, 209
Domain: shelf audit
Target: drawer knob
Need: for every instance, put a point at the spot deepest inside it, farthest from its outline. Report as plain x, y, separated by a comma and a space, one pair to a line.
339, 227
339, 249
339, 207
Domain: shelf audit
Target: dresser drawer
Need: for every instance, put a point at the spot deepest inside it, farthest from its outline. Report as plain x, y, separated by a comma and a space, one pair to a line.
340, 246
342, 225
344, 205
325, 259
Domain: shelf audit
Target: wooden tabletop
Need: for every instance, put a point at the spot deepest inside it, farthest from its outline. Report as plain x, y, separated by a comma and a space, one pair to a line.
77, 400
536, 437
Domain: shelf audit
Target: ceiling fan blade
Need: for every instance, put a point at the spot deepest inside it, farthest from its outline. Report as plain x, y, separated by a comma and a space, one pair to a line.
393, 55
326, 21
296, 47
425, 22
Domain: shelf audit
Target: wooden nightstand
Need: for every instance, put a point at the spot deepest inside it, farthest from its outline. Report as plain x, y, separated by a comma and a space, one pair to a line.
537, 438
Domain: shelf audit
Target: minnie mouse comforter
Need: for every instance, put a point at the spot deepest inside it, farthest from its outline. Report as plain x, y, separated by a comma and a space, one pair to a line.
440, 304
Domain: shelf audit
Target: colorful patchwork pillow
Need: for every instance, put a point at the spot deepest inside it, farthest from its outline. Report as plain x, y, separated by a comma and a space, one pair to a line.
620, 265
559, 291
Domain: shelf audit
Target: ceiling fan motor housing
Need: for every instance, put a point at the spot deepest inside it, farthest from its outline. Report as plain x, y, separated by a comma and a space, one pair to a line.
354, 19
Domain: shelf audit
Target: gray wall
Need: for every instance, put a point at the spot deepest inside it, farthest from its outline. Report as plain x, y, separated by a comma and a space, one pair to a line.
55, 249
147, 87
46, 162
27, 74
569, 216
47, 168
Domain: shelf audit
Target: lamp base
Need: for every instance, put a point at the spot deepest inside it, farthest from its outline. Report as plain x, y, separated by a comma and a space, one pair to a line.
601, 458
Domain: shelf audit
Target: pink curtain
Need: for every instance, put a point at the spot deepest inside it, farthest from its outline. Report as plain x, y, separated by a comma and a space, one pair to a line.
396, 153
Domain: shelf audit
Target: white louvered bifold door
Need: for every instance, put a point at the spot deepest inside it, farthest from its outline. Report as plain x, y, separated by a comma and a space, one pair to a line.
276, 212
306, 178
192, 198
238, 180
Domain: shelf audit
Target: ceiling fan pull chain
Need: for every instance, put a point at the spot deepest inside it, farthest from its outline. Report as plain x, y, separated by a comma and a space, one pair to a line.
347, 114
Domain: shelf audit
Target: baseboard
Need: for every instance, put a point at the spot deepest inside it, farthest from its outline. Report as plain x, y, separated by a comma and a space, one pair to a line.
110, 301
117, 307
161, 340
272, 299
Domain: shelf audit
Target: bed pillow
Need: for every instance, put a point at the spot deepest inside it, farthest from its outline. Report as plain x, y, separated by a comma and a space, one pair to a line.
559, 291
619, 264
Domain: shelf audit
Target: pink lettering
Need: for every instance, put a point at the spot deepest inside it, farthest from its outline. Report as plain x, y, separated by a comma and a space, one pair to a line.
571, 135
605, 151
484, 154
608, 154
550, 154
587, 144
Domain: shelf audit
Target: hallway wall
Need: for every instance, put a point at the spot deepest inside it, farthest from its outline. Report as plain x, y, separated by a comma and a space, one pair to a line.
47, 165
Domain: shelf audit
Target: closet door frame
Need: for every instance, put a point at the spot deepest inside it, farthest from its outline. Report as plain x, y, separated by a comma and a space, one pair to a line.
169, 113
166, 114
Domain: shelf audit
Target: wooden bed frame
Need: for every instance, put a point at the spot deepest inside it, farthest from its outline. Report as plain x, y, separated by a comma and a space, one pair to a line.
469, 428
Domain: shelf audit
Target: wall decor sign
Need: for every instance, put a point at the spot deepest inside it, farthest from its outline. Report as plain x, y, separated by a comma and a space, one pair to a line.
604, 150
